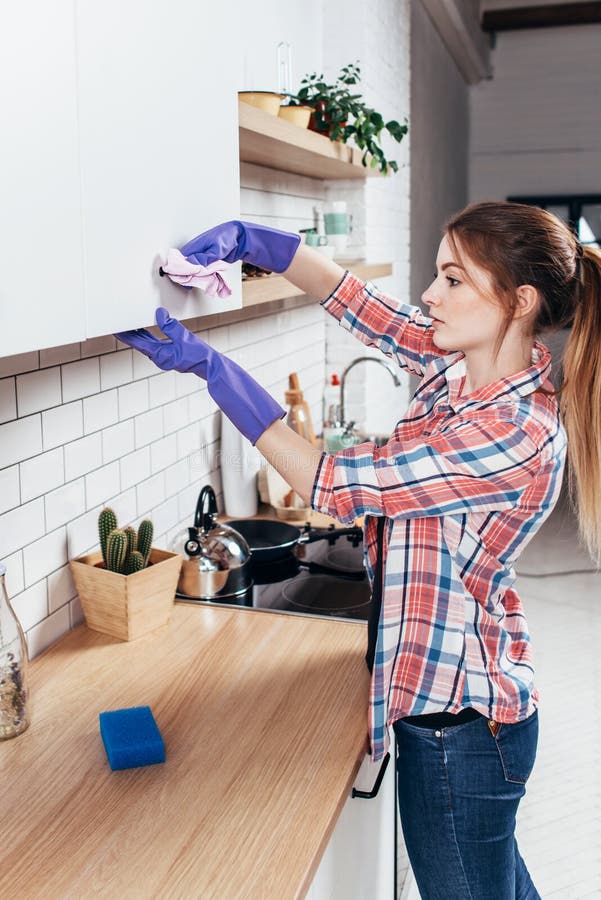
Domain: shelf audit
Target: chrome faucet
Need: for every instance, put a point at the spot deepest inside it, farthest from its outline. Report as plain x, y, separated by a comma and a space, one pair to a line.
388, 366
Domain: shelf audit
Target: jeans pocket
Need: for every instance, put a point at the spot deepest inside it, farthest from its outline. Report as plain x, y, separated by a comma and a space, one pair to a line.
516, 743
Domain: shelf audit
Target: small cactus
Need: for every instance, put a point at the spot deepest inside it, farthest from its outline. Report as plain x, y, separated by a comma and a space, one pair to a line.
124, 550
132, 539
145, 533
116, 550
107, 522
134, 563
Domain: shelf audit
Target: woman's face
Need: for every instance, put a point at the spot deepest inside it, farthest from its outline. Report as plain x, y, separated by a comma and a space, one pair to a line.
463, 318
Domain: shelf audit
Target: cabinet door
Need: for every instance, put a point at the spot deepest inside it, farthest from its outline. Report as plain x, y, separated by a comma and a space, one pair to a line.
159, 151
359, 861
41, 279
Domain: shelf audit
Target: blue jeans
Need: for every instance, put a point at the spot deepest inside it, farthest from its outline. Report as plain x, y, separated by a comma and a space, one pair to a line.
459, 790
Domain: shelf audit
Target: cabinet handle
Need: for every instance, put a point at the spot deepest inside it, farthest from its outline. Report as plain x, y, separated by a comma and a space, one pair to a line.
369, 795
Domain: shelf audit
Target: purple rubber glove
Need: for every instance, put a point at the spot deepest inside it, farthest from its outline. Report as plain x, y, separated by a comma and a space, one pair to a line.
246, 404
265, 247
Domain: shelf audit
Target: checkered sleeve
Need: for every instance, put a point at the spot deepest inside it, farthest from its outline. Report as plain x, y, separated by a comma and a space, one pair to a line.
400, 331
475, 466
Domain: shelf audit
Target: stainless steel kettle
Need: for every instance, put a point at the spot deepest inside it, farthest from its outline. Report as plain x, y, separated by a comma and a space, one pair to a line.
216, 562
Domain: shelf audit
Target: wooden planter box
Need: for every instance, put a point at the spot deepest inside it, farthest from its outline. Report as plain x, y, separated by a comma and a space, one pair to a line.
127, 606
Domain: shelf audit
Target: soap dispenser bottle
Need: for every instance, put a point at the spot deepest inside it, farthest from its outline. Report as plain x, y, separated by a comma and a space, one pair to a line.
331, 403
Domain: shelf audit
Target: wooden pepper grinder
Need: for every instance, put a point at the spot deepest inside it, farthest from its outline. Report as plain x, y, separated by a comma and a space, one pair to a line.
299, 417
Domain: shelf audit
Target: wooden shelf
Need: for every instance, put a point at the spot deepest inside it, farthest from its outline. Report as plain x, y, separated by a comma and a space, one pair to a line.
270, 141
266, 288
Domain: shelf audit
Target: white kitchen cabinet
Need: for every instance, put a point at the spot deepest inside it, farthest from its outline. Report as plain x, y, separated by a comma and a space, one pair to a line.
158, 122
41, 277
120, 141
359, 861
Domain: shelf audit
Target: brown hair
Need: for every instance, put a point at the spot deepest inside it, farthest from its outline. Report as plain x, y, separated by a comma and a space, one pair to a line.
521, 244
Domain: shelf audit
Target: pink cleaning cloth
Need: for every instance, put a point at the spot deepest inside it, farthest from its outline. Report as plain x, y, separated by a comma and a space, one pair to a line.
207, 278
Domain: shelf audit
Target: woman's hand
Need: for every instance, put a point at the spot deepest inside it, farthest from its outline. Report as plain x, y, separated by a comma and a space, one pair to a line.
248, 406
265, 247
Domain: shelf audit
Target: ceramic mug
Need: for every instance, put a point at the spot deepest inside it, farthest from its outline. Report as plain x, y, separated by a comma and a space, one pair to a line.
338, 224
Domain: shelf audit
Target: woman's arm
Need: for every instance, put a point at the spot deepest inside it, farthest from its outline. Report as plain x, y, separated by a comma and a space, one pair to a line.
292, 456
313, 272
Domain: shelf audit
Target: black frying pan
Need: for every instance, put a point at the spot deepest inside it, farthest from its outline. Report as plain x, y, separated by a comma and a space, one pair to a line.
269, 539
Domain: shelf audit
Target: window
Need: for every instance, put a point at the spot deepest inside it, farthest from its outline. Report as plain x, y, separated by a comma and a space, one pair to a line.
582, 212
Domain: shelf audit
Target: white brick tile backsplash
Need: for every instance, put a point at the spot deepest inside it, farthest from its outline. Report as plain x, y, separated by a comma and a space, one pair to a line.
116, 369
55, 356
64, 504
61, 587
200, 405
95, 346
8, 400
150, 493
202, 460
75, 612
188, 440
125, 507
185, 383
20, 440
161, 389
118, 440
210, 427
133, 399
134, 467
163, 453
219, 338
21, 362
31, 606
143, 367
42, 473
80, 379
14, 578
100, 411
45, 556
177, 476
102, 483
40, 636
83, 455
62, 424
175, 414
188, 498
10, 491
165, 517
148, 427
82, 533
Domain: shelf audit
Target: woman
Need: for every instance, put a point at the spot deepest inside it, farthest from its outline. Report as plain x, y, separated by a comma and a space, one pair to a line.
470, 473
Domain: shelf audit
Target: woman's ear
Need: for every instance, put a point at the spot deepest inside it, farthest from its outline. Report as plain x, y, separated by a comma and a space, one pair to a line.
527, 301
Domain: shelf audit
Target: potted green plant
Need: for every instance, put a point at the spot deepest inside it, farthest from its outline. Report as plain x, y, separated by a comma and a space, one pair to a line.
335, 104
128, 588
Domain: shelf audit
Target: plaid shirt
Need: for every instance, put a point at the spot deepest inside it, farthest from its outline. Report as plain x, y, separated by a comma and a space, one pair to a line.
463, 483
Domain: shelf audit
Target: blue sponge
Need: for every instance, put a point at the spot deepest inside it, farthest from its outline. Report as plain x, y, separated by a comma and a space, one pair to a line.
131, 737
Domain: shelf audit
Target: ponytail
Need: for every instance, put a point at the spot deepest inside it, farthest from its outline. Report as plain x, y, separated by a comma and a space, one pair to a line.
580, 404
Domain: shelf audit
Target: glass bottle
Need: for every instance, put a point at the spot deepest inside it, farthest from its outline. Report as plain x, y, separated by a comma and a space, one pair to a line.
14, 696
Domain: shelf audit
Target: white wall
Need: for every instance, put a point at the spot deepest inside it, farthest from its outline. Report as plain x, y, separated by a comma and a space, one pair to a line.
262, 26
83, 425
536, 126
440, 124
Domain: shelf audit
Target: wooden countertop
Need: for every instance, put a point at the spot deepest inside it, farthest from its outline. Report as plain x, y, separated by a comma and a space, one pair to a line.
264, 721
